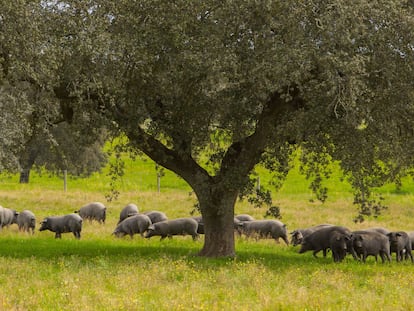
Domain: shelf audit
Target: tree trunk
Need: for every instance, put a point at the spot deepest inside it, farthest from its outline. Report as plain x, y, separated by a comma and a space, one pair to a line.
24, 175
218, 218
27, 161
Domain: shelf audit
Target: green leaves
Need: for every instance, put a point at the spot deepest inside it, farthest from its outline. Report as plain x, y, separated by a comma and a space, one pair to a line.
180, 72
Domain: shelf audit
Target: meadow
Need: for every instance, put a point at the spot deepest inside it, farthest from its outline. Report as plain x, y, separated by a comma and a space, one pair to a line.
101, 272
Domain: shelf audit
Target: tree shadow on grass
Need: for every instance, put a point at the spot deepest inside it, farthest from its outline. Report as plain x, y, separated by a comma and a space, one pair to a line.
132, 250
43, 248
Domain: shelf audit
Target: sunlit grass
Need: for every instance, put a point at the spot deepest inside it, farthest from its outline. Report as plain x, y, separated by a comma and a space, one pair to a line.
108, 274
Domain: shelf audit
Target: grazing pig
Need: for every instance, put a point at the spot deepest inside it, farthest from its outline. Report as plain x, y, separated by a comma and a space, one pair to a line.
93, 211
199, 220
338, 244
320, 239
63, 224
26, 221
128, 210
7, 217
200, 229
377, 229
399, 243
156, 216
244, 217
371, 243
168, 228
134, 224
298, 235
237, 226
264, 229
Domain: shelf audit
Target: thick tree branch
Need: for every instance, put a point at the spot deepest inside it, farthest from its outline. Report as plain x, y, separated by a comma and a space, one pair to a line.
181, 141
243, 155
180, 163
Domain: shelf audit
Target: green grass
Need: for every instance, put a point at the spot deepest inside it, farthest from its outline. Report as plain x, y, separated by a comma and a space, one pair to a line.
101, 272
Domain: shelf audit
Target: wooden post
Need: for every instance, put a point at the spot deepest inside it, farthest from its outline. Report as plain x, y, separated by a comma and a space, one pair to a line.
65, 183
160, 173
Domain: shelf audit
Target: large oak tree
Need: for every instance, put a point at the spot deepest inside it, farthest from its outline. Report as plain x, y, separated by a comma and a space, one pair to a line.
241, 81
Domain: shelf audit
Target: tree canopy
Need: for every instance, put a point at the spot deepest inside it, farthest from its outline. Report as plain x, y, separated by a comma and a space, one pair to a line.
241, 81
37, 128
32, 137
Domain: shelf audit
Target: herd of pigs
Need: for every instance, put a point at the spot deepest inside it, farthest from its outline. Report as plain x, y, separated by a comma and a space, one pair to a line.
339, 240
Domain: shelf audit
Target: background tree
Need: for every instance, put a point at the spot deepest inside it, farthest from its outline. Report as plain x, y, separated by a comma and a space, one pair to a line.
14, 129
37, 129
64, 147
243, 81
32, 137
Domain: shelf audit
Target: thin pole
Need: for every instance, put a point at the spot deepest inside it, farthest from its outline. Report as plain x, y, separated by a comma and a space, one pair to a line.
65, 182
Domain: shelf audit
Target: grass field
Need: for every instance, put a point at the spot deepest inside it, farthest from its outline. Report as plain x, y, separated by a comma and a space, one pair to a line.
101, 272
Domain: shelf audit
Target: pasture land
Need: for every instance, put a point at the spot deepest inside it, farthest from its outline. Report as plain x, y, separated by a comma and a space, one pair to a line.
101, 272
